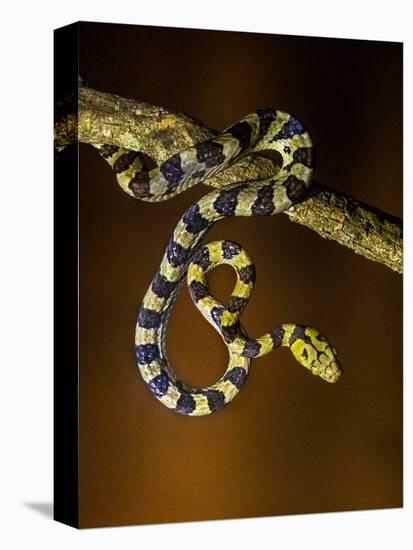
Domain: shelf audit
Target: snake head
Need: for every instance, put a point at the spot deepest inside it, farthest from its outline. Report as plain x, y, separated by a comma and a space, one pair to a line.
312, 350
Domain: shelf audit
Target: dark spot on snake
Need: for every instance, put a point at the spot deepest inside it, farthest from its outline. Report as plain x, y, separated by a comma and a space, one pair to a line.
139, 184
108, 150
251, 348
194, 221
319, 337
216, 399
210, 153
264, 205
236, 304
237, 376
124, 161
266, 117
186, 403
230, 249
172, 171
149, 318
277, 335
291, 128
201, 258
247, 274
161, 286
146, 353
160, 384
229, 333
305, 156
295, 188
226, 202
216, 314
298, 334
176, 253
197, 290
242, 132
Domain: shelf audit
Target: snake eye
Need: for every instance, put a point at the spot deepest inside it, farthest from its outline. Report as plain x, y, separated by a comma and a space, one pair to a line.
287, 150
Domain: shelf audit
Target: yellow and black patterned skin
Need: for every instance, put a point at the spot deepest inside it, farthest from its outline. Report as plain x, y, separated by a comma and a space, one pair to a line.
265, 129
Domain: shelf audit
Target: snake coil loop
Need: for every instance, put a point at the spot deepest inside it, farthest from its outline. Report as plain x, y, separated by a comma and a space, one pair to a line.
265, 129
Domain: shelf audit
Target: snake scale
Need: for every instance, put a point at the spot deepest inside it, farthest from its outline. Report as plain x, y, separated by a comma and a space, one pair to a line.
263, 130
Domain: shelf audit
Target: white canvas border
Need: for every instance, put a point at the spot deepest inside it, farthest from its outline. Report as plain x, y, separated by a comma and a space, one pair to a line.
26, 277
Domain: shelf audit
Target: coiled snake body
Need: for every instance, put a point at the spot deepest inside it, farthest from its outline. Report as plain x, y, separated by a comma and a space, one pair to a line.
263, 130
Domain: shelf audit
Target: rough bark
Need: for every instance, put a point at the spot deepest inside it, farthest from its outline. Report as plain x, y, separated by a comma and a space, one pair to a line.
106, 118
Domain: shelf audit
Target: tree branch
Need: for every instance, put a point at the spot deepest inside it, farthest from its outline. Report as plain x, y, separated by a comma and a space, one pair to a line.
159, 133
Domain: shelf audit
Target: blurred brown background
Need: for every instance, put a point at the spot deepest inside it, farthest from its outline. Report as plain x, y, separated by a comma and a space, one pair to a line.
289, 443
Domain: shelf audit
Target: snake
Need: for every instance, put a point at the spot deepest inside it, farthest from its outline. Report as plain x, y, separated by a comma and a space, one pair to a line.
185, 257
